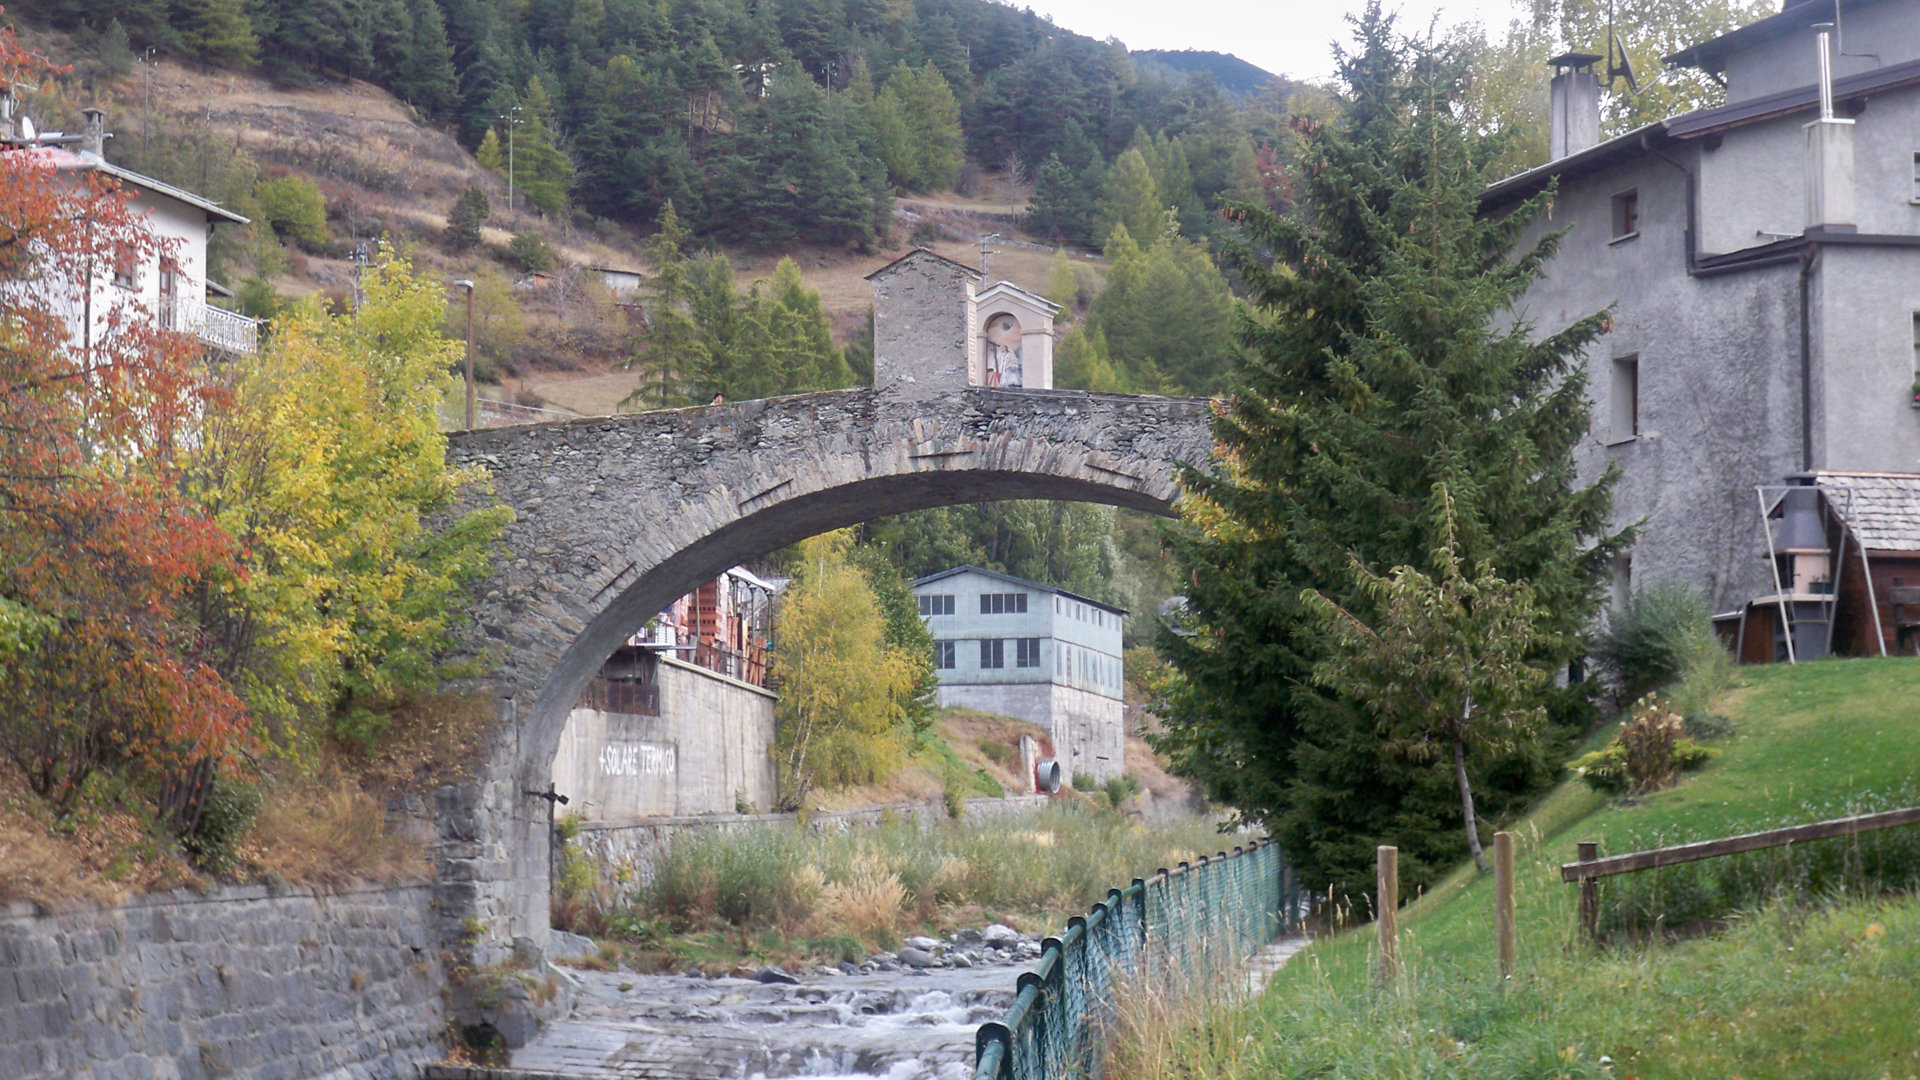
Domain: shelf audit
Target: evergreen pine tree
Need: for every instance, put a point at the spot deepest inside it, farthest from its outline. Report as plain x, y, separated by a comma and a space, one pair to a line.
1131, 198
670, 355
1166, 312
1376, 373
541, 169
1051, 208
491, 156
215, 31
427, 77
469, 212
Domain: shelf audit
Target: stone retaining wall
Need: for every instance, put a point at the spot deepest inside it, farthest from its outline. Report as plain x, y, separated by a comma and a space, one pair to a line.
635, 846
242, 983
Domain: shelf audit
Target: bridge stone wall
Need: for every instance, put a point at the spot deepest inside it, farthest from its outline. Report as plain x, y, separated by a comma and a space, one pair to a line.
616, 517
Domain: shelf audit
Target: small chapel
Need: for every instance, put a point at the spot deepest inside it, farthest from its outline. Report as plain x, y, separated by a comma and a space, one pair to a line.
935, 329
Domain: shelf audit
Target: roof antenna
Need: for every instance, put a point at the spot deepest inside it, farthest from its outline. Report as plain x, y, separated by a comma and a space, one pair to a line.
1625, 67
986, 241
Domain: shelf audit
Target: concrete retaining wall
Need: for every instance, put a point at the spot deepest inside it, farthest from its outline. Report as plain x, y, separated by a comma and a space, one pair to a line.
705, 753
241, 983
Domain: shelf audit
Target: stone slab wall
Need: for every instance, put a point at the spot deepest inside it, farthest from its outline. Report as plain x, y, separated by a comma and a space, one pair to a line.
241, 983
636, 846
705, 753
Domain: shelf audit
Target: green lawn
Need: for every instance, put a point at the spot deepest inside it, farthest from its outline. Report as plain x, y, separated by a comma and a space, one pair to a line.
1784, 991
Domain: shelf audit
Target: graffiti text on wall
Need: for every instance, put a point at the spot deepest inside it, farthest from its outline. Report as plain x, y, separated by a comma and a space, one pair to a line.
637, 759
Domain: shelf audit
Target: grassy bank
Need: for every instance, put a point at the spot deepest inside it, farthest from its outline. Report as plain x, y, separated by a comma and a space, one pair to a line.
788, 894
1811, 969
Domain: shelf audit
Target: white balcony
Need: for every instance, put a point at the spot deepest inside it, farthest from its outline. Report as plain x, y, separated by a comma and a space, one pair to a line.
218, 327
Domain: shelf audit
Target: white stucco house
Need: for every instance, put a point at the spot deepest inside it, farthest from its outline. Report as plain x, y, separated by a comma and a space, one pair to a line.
173, 288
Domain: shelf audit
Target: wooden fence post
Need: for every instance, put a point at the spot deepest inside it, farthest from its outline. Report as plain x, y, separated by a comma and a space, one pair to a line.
1387, 915
1590, 894
1503, 901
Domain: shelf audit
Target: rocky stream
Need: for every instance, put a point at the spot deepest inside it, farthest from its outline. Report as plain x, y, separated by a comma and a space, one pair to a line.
909, 1015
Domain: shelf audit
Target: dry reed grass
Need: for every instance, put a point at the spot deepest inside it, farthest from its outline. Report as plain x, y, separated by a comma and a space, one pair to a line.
320, 834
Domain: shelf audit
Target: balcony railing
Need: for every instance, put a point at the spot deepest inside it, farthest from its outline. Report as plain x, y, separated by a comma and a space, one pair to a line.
217, 327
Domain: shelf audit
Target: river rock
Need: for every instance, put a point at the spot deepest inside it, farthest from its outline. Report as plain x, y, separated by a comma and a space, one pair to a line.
960, 960
924, 943
571, 947
771, 974
1000, 936
919, 958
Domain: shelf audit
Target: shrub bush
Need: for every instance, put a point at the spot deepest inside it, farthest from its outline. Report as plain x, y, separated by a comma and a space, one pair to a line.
1647, 645
226, 817
1650, 751
531, 252
295, 209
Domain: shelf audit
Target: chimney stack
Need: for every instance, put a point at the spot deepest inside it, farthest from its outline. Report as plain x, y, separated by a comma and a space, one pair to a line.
1575, 123
1829, 153
93, 132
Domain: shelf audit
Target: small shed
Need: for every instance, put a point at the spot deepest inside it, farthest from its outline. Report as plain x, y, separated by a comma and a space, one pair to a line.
621, 283
1846, 554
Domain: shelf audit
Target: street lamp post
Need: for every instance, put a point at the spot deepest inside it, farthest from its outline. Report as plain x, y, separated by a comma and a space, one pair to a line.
467, 284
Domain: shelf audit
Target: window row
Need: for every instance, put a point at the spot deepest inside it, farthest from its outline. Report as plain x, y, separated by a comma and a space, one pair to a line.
1003, 603
993, 653
936, 604
1085, 613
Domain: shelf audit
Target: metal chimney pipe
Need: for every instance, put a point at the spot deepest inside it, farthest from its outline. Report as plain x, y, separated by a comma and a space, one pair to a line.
1822, 38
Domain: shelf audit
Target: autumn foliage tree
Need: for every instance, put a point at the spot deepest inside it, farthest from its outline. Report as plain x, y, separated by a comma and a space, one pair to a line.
99, 546
847, 692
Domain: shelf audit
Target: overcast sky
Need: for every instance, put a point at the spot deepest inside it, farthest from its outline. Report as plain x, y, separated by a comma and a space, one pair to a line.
1287, 37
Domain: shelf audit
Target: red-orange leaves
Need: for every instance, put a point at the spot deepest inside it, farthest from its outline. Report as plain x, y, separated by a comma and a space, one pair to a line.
96, 536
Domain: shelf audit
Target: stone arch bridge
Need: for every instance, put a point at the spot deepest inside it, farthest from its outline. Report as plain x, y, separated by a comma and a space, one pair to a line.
619, 516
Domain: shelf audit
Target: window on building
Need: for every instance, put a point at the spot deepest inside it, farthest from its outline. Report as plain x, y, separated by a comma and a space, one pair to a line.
1003, 603
1916, 356
943, 655
1620, 589
126, 267
1626, 215
1916, 176
1026, 652
1626, 399
936, 604
993, 653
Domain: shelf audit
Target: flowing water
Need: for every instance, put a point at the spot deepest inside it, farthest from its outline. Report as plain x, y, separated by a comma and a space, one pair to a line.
899, 1025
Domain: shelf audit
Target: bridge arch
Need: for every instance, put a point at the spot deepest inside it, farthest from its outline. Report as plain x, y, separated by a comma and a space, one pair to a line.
619, 516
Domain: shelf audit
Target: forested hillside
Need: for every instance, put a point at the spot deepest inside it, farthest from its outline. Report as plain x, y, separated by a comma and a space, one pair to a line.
765, 123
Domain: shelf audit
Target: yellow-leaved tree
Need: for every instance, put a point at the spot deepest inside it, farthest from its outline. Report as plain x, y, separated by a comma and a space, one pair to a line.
357, 538
844, 691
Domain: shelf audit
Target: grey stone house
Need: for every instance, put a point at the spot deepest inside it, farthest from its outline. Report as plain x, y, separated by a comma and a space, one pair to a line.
1763, 257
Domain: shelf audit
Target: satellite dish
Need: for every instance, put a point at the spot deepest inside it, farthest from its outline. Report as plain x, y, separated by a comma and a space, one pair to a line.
26, 128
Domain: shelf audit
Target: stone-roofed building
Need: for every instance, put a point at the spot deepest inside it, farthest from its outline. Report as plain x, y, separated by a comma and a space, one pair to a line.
935, 331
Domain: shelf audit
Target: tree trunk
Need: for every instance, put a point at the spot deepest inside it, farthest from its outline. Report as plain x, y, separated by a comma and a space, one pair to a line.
1466, 804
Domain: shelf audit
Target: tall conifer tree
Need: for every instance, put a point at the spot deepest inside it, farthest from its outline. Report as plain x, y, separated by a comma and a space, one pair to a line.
1385, 358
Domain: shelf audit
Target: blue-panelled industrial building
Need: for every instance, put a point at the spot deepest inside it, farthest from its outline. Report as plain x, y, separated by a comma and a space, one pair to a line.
1014, 647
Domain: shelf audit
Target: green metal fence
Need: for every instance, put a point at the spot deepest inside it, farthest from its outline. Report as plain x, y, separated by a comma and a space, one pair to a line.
1181, 928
